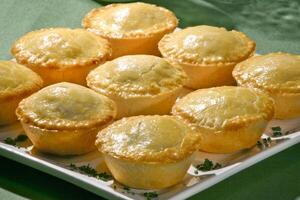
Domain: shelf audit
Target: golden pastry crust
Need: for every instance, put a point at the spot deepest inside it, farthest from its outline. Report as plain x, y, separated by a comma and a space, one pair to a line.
206, 46
129, 20
16, 83
148, 139
62, 142
278, 74
66, 106
61, 48
228, 118
207, 54
132, 28
148, 175
226, 107
148, 82
17, 80
274, 72
136, 76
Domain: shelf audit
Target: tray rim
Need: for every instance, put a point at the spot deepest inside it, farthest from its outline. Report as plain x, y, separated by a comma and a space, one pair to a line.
72, 177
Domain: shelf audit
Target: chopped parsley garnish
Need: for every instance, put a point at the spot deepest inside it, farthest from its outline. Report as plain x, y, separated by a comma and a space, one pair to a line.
217, 166
150, 195
208, 165
277, 131
127, 189
15, 141
88, 170
266, 140
258, 143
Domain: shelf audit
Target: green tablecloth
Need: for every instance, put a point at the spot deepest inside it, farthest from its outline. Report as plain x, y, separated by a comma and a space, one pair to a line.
273, 24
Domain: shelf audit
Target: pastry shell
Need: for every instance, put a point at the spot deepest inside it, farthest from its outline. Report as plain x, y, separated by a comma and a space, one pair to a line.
61, 54
148, 152
139, 84
132, 28
16, 83
277, 74
207, 54
64, 118
228, 118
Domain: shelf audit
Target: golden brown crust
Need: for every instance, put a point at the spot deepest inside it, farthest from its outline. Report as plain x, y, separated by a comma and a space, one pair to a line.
66, 106
136, 76
218, 108
274, 73
222, 47
150, 139
61, 48
168, 24
17, 80
62, 142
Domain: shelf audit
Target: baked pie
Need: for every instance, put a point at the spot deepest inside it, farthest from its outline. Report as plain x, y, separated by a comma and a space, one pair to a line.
207, 54
61, 54
139, 84
64, 118
148, 152
278, 74
132, 28
228, 118
16, 83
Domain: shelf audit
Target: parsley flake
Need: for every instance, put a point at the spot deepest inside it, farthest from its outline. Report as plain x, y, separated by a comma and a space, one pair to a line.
208, 165
150, 195
15, 141
277, 132
258, 143
88, 170
127, 189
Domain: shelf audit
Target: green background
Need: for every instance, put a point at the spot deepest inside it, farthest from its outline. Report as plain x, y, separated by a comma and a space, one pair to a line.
274, 25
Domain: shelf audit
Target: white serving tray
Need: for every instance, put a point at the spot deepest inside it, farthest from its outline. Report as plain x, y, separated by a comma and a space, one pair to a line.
193, 182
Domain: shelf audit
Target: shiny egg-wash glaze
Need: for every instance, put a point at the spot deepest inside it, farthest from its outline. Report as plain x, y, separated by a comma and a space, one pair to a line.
133, 28
64, 118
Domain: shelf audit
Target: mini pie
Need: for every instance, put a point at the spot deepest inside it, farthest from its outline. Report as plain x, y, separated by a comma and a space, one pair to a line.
61, 54
278, 74
16, 83
139, 84
228, 118
132, 28
64, 118
207, 54
148, 152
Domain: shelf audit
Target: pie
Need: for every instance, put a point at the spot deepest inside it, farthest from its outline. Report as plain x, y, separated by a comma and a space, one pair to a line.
228, 118
139, 84
16, 83
64, 118
148, 152
61, 54
132, 28
207, 54
277, 74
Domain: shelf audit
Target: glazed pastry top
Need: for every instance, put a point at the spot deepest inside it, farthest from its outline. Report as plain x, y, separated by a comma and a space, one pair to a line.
16, 79
61, 47
129, 20
274, 72
226, 107
136, 75
205, 45
66, 106
148, 139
